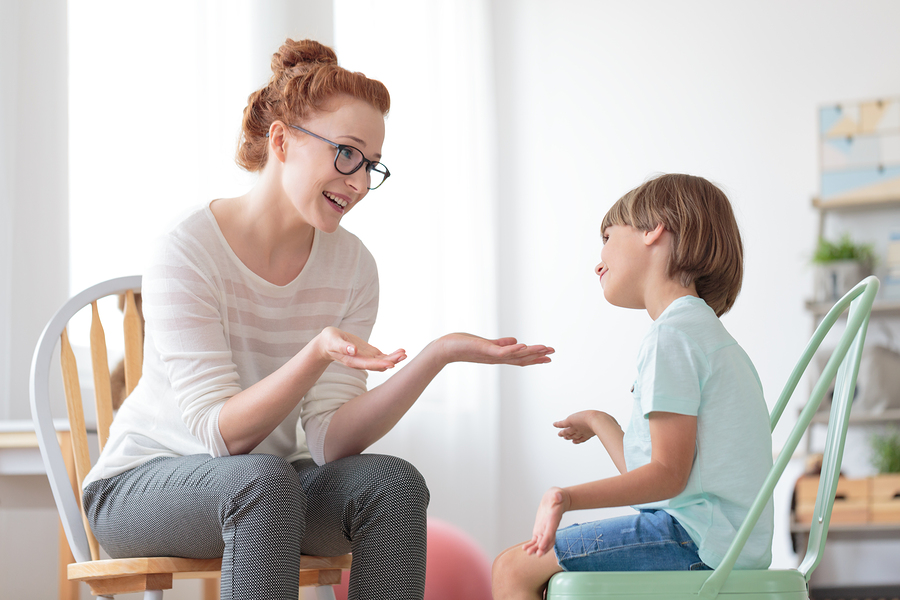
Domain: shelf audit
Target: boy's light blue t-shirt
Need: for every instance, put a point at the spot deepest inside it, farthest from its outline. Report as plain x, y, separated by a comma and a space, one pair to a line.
689, 364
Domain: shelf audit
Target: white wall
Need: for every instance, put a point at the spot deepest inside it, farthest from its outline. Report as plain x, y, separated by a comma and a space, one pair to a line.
596, 96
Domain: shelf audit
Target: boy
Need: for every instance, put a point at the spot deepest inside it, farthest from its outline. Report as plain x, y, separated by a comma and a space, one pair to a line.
698, 446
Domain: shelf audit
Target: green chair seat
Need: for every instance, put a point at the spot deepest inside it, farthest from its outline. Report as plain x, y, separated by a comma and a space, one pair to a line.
786, 584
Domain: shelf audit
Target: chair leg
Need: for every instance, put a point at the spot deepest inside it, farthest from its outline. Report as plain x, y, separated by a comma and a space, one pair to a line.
210, 590
153, 595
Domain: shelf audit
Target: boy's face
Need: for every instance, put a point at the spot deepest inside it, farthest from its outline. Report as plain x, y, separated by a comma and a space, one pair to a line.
622, 266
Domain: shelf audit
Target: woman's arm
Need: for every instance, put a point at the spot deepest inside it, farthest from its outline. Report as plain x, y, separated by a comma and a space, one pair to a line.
253, 413
363, 420
673, 438
582, 426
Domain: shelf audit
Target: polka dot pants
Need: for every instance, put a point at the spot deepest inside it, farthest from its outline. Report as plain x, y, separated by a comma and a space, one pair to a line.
258, 512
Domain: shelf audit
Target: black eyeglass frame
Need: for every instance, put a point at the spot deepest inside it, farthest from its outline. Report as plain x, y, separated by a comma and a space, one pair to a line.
372, 164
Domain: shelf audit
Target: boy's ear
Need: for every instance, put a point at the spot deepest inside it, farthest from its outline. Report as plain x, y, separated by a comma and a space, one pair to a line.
652, 236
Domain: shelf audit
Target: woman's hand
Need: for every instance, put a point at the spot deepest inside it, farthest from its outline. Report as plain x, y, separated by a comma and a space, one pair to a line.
465, 347
582, 426
352, 351
554, 503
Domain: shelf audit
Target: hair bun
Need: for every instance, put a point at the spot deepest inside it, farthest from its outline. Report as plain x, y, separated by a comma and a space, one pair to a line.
304, 52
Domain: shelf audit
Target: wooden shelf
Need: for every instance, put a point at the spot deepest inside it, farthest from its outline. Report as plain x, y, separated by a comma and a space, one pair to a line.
855, 203
857, 418
854, 531
881, 307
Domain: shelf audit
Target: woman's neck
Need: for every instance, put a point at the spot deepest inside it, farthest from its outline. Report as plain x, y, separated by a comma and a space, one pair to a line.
267, 236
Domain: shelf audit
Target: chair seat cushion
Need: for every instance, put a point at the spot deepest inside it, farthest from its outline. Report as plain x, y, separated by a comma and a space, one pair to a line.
676, 585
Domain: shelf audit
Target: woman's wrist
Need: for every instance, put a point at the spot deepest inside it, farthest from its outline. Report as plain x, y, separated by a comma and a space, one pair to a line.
439, 352
321, 348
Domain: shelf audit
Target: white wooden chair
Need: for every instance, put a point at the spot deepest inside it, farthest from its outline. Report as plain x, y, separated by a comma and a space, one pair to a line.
108, 577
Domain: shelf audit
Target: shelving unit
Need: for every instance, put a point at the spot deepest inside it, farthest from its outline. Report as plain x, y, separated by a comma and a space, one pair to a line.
882, 309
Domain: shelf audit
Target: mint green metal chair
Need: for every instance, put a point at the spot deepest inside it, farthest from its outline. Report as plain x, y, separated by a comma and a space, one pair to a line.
780, 584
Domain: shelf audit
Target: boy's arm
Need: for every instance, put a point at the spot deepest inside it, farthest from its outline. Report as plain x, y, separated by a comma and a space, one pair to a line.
582, 426
673, 437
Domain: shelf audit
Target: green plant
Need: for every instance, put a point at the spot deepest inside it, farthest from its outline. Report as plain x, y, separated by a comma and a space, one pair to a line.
886, 452
844, 249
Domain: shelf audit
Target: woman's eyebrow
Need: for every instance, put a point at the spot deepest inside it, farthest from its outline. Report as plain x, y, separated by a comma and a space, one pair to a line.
360, 142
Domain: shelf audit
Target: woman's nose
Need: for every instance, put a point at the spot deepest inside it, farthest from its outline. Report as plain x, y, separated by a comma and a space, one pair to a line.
359, 180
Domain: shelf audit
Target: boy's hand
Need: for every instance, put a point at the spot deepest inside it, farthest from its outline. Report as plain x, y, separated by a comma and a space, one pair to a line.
582, 426
554, 503
577, 427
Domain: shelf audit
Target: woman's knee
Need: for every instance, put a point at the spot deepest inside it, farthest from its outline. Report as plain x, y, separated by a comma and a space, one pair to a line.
398, 478
268, 480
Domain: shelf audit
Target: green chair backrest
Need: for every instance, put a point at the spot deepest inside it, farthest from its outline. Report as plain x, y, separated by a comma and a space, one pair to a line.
842, 367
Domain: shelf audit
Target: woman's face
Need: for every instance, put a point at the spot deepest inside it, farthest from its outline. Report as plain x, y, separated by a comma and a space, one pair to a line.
319, 192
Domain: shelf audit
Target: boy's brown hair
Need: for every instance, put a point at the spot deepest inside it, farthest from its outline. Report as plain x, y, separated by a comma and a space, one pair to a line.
706, 249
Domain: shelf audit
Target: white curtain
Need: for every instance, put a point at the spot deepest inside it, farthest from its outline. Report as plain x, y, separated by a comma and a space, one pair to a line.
156, 96
6, 203
33, 203
433, 230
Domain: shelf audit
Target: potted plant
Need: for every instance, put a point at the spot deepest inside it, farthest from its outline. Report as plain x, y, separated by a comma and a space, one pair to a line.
885, 490
840, 265
886, 452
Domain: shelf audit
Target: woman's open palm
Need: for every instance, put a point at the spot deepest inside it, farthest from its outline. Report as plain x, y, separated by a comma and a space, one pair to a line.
465, 347
354, 352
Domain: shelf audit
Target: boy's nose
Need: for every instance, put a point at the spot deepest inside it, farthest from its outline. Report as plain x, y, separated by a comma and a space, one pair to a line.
598, 268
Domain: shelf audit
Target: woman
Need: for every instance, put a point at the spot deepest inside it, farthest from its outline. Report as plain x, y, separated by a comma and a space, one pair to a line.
243, 437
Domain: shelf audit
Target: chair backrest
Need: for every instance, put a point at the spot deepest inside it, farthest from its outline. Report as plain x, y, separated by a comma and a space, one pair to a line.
68, 500
842, 367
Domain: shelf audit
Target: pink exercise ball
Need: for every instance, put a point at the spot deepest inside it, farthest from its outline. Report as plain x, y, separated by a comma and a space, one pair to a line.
456, 567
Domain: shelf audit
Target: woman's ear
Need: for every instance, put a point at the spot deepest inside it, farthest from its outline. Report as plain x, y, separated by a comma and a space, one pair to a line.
654, 235
277, 139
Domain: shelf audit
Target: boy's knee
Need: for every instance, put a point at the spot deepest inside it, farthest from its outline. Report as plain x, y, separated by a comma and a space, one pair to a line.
515, 573
503, 573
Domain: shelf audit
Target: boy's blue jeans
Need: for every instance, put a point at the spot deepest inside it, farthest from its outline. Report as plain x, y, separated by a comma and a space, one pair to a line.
648, 541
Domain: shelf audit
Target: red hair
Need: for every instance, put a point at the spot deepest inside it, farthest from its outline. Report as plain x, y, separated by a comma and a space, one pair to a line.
305, 76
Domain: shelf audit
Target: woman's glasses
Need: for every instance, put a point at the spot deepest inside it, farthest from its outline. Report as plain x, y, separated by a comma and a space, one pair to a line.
348, 160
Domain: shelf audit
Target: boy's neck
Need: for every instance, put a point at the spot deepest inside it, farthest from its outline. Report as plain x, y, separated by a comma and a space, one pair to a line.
665, 294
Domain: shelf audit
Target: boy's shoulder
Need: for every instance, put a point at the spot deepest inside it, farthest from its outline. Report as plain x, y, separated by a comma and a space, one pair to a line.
690, 316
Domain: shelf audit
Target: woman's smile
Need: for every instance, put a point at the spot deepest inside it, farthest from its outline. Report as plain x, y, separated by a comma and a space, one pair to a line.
338, 202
